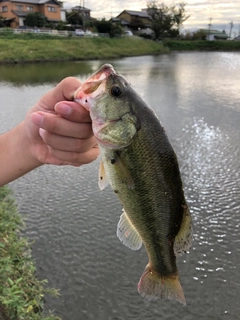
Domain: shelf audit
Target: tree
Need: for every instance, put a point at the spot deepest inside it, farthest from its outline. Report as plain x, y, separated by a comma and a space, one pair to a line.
115, 30
2, 22
74, 18
104, 26
199, 35
35, 19
166, 20
41, 20
31, 20
180, 15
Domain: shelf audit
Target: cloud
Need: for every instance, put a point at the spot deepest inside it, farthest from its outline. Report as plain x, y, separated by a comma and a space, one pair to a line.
222, 12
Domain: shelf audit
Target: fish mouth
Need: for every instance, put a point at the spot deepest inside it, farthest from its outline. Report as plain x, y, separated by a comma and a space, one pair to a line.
94, 85
102, 73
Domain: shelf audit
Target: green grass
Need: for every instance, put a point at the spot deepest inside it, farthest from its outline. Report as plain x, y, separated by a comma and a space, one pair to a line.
31, 47
27, 48
21, 293
183, 45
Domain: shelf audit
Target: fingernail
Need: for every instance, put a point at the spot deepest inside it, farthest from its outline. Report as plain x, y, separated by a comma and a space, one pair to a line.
64, 109
37, 119
41, 132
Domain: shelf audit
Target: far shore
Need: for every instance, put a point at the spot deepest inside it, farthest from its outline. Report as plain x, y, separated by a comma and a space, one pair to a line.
46, 49
32, 48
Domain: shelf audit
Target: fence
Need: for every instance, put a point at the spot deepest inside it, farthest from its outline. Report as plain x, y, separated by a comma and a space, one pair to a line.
63, 33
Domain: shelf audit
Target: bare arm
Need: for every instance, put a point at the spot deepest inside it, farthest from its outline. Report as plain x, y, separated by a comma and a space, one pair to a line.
15, 157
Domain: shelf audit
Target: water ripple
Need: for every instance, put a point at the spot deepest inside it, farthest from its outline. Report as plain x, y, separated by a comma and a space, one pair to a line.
74, 224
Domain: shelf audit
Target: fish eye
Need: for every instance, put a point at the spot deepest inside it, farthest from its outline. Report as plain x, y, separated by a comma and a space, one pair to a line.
116, 91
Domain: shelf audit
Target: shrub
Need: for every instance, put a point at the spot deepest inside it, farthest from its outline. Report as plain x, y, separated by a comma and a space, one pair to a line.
21, 293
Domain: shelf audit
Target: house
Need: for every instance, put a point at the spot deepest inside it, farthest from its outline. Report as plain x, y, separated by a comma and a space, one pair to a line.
237, 38
63, 15
134, 20
215, 34
84, 12
15, 11
78, 16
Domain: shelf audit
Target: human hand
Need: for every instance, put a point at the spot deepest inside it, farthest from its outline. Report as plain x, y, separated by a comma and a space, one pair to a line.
59, 130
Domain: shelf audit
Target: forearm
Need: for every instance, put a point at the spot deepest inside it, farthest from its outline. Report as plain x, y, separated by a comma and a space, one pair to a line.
15, 155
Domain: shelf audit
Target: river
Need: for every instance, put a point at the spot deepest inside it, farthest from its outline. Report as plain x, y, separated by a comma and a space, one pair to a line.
73, 223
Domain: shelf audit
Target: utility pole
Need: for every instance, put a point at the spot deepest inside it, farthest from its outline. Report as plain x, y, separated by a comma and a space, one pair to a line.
79, 12
230, 32
209, 27
83, 14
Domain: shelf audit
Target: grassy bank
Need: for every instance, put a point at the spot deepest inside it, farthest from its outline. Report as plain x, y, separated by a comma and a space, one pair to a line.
32, 47
21, 293
28, 48
202, 45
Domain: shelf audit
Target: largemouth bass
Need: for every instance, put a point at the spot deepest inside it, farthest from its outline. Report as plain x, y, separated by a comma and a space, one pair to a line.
142, 169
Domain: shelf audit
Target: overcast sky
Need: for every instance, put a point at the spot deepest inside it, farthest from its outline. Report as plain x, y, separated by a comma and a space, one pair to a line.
222, 12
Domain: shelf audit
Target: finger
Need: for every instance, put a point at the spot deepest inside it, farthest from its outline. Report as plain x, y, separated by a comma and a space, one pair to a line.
58, 125
66, 143
63, 91
75, 157
72, 111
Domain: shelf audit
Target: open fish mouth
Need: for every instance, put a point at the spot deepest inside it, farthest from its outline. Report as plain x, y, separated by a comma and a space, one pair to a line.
94, 85
102, 73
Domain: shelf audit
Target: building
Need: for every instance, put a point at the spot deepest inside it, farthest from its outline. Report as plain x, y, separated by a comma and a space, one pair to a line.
237, 38
84, 12
78, 16
134, 20
14, 12
215, 34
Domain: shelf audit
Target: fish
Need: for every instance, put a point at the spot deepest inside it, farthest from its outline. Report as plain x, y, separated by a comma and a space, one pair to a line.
139, 163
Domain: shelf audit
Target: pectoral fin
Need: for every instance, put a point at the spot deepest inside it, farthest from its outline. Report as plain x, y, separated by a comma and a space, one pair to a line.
122, 171
127, 234
183, 240
102, 178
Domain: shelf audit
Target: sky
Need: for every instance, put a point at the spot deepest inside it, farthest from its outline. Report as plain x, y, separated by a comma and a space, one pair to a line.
222, 12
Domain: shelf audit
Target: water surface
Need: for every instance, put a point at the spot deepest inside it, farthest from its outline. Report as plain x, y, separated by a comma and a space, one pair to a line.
196, 96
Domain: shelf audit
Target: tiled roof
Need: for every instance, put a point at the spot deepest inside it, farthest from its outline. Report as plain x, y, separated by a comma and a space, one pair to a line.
142, 14
20, 13
35, 1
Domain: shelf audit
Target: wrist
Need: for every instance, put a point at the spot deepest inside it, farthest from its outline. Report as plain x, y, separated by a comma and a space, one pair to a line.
16, 156
25, 148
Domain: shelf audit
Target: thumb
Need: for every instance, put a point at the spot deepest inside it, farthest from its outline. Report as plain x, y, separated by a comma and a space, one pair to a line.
63, 91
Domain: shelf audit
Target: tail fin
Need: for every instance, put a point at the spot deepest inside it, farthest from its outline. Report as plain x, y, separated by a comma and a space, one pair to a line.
152, 286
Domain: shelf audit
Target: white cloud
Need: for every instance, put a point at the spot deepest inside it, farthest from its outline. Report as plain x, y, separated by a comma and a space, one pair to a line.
222, 12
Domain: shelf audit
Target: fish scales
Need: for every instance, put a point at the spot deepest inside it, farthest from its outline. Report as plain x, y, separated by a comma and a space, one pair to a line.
142, 169
151, 162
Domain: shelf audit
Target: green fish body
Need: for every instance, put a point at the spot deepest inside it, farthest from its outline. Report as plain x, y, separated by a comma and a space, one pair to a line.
139, 163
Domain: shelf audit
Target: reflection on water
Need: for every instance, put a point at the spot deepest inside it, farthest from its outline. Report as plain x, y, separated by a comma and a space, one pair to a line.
34, 74
74, 224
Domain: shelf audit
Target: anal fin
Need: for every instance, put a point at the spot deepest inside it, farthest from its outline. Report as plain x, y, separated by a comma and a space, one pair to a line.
127, 234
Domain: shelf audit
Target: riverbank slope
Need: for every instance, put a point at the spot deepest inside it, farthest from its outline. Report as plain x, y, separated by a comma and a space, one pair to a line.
21, 293
32, 48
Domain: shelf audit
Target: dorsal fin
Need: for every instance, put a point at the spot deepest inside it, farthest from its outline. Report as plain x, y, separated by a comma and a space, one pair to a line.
183, 240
